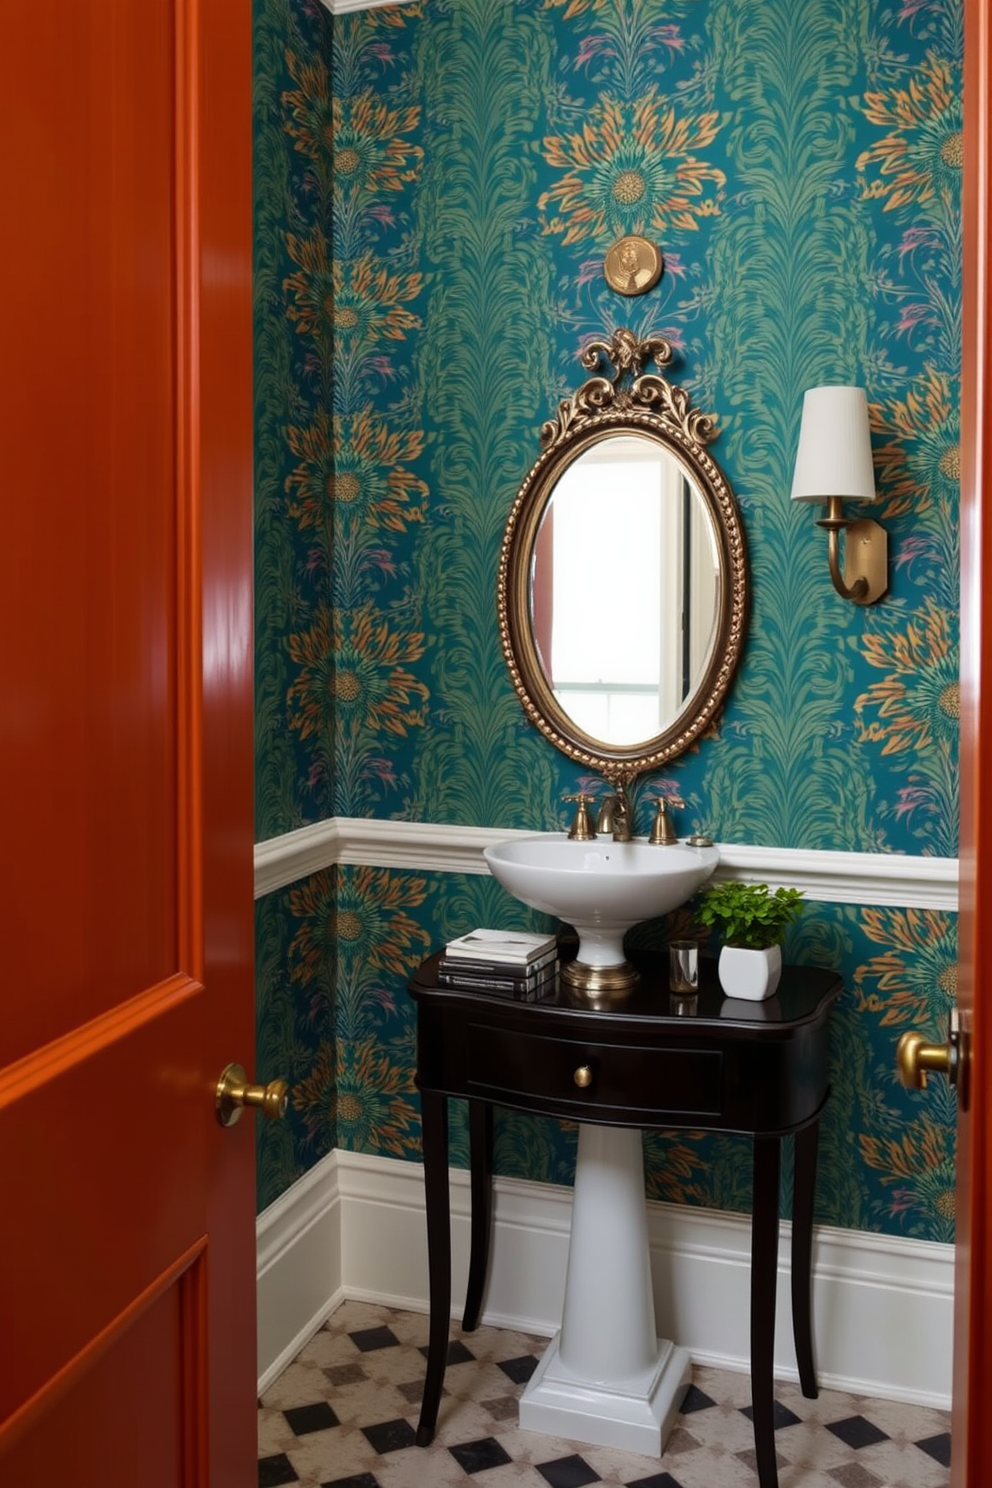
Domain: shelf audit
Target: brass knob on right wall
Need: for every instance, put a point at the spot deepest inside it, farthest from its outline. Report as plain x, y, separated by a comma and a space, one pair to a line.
915, 1059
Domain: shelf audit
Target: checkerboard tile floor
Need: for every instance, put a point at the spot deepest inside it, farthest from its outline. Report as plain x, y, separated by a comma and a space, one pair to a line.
343, 1415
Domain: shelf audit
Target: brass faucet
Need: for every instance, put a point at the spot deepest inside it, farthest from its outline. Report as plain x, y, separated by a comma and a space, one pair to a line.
615, 815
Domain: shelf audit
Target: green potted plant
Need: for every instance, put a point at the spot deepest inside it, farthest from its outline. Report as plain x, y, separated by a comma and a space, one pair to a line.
751, 922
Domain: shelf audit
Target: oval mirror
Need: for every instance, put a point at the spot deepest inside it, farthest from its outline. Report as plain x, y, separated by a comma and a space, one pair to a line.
623, 584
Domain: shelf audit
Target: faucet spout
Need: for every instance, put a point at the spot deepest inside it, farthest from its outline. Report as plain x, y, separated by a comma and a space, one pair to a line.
615, 814
623, 829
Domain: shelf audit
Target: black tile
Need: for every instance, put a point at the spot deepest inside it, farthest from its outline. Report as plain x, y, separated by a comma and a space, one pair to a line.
519, 1370
274, 1471
457, 1353
856, 1432
694, 1400
567, 1472
390, 1436
368, 1339
359, 1480
657, 1480
306, 1418
476, 1456
781, 1415
938, 1447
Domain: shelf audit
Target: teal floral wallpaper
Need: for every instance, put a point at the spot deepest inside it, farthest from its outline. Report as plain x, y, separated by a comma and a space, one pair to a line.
436, 186
292, 175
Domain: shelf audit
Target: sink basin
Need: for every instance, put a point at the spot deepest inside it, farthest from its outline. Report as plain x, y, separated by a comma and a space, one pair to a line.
601, 888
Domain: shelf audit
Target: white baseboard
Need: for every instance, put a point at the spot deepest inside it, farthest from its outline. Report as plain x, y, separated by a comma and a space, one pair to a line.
354, 1226
298, 1283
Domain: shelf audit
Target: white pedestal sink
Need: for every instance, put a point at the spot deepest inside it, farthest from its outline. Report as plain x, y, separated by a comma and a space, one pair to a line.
601, 888
605, 1378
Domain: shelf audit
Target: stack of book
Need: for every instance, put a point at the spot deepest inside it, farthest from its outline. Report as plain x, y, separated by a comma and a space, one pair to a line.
511, 963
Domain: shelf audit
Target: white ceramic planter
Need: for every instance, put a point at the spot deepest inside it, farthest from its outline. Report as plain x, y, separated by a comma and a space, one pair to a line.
751, 975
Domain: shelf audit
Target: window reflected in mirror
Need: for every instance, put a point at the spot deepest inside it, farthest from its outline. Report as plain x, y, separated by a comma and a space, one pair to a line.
624, 589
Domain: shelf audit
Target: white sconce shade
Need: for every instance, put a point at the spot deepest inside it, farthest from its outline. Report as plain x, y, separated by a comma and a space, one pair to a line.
834, 454
833, 465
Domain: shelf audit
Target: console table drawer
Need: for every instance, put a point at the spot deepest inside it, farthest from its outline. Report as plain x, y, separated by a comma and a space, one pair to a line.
528, 1068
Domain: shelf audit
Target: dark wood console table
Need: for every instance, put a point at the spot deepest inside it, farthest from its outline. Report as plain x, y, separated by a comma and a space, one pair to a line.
755, 1068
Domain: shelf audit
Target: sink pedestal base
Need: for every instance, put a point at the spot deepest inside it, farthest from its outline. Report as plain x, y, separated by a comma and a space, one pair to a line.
606, 1377
635, 1416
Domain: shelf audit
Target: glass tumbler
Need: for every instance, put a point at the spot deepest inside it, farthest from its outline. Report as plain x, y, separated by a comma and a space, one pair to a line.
683, 966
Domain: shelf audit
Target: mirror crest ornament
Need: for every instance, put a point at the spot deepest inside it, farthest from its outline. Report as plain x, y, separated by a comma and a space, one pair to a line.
624, 412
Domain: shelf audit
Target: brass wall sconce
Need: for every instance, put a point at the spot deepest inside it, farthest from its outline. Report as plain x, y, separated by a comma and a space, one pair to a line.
833, 464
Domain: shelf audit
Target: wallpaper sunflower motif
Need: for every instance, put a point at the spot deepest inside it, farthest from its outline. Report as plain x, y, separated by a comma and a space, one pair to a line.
437, 184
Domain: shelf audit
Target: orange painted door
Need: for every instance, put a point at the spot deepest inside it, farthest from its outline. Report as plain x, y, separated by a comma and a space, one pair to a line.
971, 1450
127, 1262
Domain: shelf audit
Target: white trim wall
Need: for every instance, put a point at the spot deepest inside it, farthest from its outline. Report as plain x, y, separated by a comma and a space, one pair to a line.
341, 7
423, 847
355, 1226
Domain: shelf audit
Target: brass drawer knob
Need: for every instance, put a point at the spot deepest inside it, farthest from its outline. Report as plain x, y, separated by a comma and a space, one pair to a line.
583, 1077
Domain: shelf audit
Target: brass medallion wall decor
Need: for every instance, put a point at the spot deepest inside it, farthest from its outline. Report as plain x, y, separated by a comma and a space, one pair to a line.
633, 266
623, 585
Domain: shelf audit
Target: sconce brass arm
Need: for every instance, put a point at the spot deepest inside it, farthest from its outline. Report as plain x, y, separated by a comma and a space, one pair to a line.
866, 555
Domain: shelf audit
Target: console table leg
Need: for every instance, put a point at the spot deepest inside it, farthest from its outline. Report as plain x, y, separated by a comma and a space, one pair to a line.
764, 1273
802, 1253
434, 1116
480, 1126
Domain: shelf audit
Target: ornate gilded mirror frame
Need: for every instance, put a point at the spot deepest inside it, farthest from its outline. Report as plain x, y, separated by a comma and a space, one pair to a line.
628, 401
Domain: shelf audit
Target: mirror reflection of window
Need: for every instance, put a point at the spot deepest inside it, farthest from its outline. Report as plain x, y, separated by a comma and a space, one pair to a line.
624, 590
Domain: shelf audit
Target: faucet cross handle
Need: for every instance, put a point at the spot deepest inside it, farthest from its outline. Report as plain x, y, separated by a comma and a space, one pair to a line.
663, 833
581, 829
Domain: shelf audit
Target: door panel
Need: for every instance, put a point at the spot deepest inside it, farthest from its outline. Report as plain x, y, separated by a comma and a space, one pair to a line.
119, 1448
88, 1193
88, 335
127, 1290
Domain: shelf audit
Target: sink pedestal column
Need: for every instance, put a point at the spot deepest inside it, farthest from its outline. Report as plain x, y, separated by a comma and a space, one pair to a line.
606, 1377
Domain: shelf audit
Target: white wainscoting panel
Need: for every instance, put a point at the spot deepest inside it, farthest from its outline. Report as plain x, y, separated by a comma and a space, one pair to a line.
355, 1227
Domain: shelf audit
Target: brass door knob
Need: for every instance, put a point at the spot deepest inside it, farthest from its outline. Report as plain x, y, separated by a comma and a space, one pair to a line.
583, 1077
915, 1059
234, 1093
